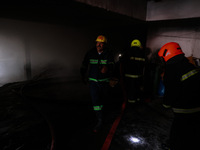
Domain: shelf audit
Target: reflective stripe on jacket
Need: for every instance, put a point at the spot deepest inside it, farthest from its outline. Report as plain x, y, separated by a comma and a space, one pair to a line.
137, 58
99, 80
94, 62
182, 80
132, 76
186, 111
189, 74
97, 108
133, 62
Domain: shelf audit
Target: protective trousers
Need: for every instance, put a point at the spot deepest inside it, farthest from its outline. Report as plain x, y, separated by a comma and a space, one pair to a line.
98, 92
133, 88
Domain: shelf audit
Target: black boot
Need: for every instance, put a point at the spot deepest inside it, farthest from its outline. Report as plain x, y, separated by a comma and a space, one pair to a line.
98, 126
99, 123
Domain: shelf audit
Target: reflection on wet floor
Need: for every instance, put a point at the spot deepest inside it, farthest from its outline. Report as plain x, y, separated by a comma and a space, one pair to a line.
144, 126
29, 111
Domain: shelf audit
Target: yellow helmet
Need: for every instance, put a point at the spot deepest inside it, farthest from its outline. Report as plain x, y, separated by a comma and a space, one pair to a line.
136, 43
101, 38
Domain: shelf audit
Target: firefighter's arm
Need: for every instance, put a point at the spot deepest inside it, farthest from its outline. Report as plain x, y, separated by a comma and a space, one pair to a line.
104, 69
113, 80
167, 94
171, 90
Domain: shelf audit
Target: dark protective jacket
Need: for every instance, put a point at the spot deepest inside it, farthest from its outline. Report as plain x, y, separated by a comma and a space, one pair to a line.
182, 81
133, 62
95, 62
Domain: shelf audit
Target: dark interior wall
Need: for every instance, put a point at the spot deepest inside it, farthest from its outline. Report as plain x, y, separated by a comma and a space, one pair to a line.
31, 48
51, 38
12, 50
51, 50
63, 47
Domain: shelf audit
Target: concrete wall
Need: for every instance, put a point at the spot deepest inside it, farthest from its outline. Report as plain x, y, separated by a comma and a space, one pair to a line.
50, 50
54, 50
186, 33
172, 9
174, 20
29, 49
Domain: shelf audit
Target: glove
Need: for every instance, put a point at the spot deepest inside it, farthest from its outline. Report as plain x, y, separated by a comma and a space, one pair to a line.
113, 82
104, 69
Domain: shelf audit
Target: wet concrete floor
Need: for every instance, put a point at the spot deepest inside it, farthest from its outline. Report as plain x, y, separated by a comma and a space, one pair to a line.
64, 119
144, 126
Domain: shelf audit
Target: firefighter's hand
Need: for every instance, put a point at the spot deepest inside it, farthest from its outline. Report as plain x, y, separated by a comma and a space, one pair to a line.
104, 69
113, 82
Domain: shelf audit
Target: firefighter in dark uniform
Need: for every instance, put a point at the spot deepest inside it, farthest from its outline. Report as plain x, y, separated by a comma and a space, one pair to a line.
99, 62
182, 81
132, 69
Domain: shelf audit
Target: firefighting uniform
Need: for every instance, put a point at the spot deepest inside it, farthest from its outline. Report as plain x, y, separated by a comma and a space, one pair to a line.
98, 81
133, 62
182, 94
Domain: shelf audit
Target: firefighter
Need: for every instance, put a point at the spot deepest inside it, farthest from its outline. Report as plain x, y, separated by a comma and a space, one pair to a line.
182, 81
132, 69
99, 62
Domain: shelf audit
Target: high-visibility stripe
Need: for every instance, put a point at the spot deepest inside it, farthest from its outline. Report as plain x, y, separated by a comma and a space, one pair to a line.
189, 74
186, 111
103, 62
132, 76
131, 101
166, 106
97, 108
95, 61
99, 80
137, 58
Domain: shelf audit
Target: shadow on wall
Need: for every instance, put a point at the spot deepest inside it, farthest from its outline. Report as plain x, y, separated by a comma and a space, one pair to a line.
56, 71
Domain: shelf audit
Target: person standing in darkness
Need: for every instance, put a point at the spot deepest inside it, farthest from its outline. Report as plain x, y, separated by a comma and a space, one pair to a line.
182, 81
99, 63
132, 70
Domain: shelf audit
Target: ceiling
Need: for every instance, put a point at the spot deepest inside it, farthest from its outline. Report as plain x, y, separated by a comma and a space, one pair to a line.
60, 12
